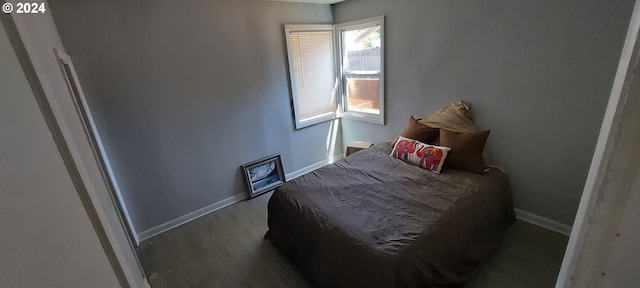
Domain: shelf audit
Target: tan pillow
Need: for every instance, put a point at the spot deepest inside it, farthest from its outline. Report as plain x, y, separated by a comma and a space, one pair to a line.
454, 117
416, 131
466, 150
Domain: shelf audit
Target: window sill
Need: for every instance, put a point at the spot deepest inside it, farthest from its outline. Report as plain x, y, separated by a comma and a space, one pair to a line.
315, 120
375, 119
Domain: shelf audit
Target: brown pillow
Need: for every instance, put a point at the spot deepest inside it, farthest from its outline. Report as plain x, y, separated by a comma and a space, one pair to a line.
454, 117
416, 131
466, 150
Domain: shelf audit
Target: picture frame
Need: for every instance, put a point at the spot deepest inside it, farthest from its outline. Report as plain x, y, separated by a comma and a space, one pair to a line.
263, 175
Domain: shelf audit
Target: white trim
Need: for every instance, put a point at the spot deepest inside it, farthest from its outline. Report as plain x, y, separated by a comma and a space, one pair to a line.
144, 235
364, 116
360, 115
288, 29
121, 255
362, 22
66, 59
591, 239
534, 219
314, 166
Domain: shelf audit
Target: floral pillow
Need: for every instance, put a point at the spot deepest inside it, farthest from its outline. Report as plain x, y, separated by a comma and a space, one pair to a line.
430, 157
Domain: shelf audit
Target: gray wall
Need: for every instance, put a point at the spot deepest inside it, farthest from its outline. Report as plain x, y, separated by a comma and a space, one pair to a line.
46, 237
184, 92
538, 74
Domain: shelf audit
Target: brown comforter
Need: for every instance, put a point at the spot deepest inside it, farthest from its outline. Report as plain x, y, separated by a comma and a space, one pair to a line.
373, 221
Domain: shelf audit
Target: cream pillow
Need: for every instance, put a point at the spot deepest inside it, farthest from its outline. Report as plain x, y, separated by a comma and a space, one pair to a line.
454, 117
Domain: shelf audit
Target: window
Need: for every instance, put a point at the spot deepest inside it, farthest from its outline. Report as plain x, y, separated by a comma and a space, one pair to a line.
313, 73
362, 69
324, 86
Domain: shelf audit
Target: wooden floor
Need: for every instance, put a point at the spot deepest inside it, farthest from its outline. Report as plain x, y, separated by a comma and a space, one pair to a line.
226, 249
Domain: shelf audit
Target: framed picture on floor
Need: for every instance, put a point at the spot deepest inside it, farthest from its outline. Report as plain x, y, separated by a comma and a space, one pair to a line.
263, 175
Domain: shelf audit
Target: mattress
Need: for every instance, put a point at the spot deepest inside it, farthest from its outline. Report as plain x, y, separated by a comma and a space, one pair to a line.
370, 220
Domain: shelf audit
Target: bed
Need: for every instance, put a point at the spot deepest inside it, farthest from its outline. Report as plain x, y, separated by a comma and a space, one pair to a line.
371, 220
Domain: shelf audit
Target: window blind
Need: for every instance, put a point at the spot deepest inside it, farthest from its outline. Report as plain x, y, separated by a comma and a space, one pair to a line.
313, 65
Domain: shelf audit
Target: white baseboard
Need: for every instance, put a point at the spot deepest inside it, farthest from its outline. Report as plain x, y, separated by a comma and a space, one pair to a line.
144, 235
314, 166
563, 229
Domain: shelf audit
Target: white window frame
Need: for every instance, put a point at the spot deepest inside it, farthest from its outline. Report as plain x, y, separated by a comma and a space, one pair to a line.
299, 124
340, 75
358, 115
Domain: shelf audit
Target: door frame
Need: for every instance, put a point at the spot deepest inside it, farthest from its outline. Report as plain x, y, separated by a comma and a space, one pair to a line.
93, 136
599, 212
38, 59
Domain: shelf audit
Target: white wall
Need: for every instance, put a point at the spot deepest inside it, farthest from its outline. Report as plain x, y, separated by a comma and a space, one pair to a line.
46, 238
